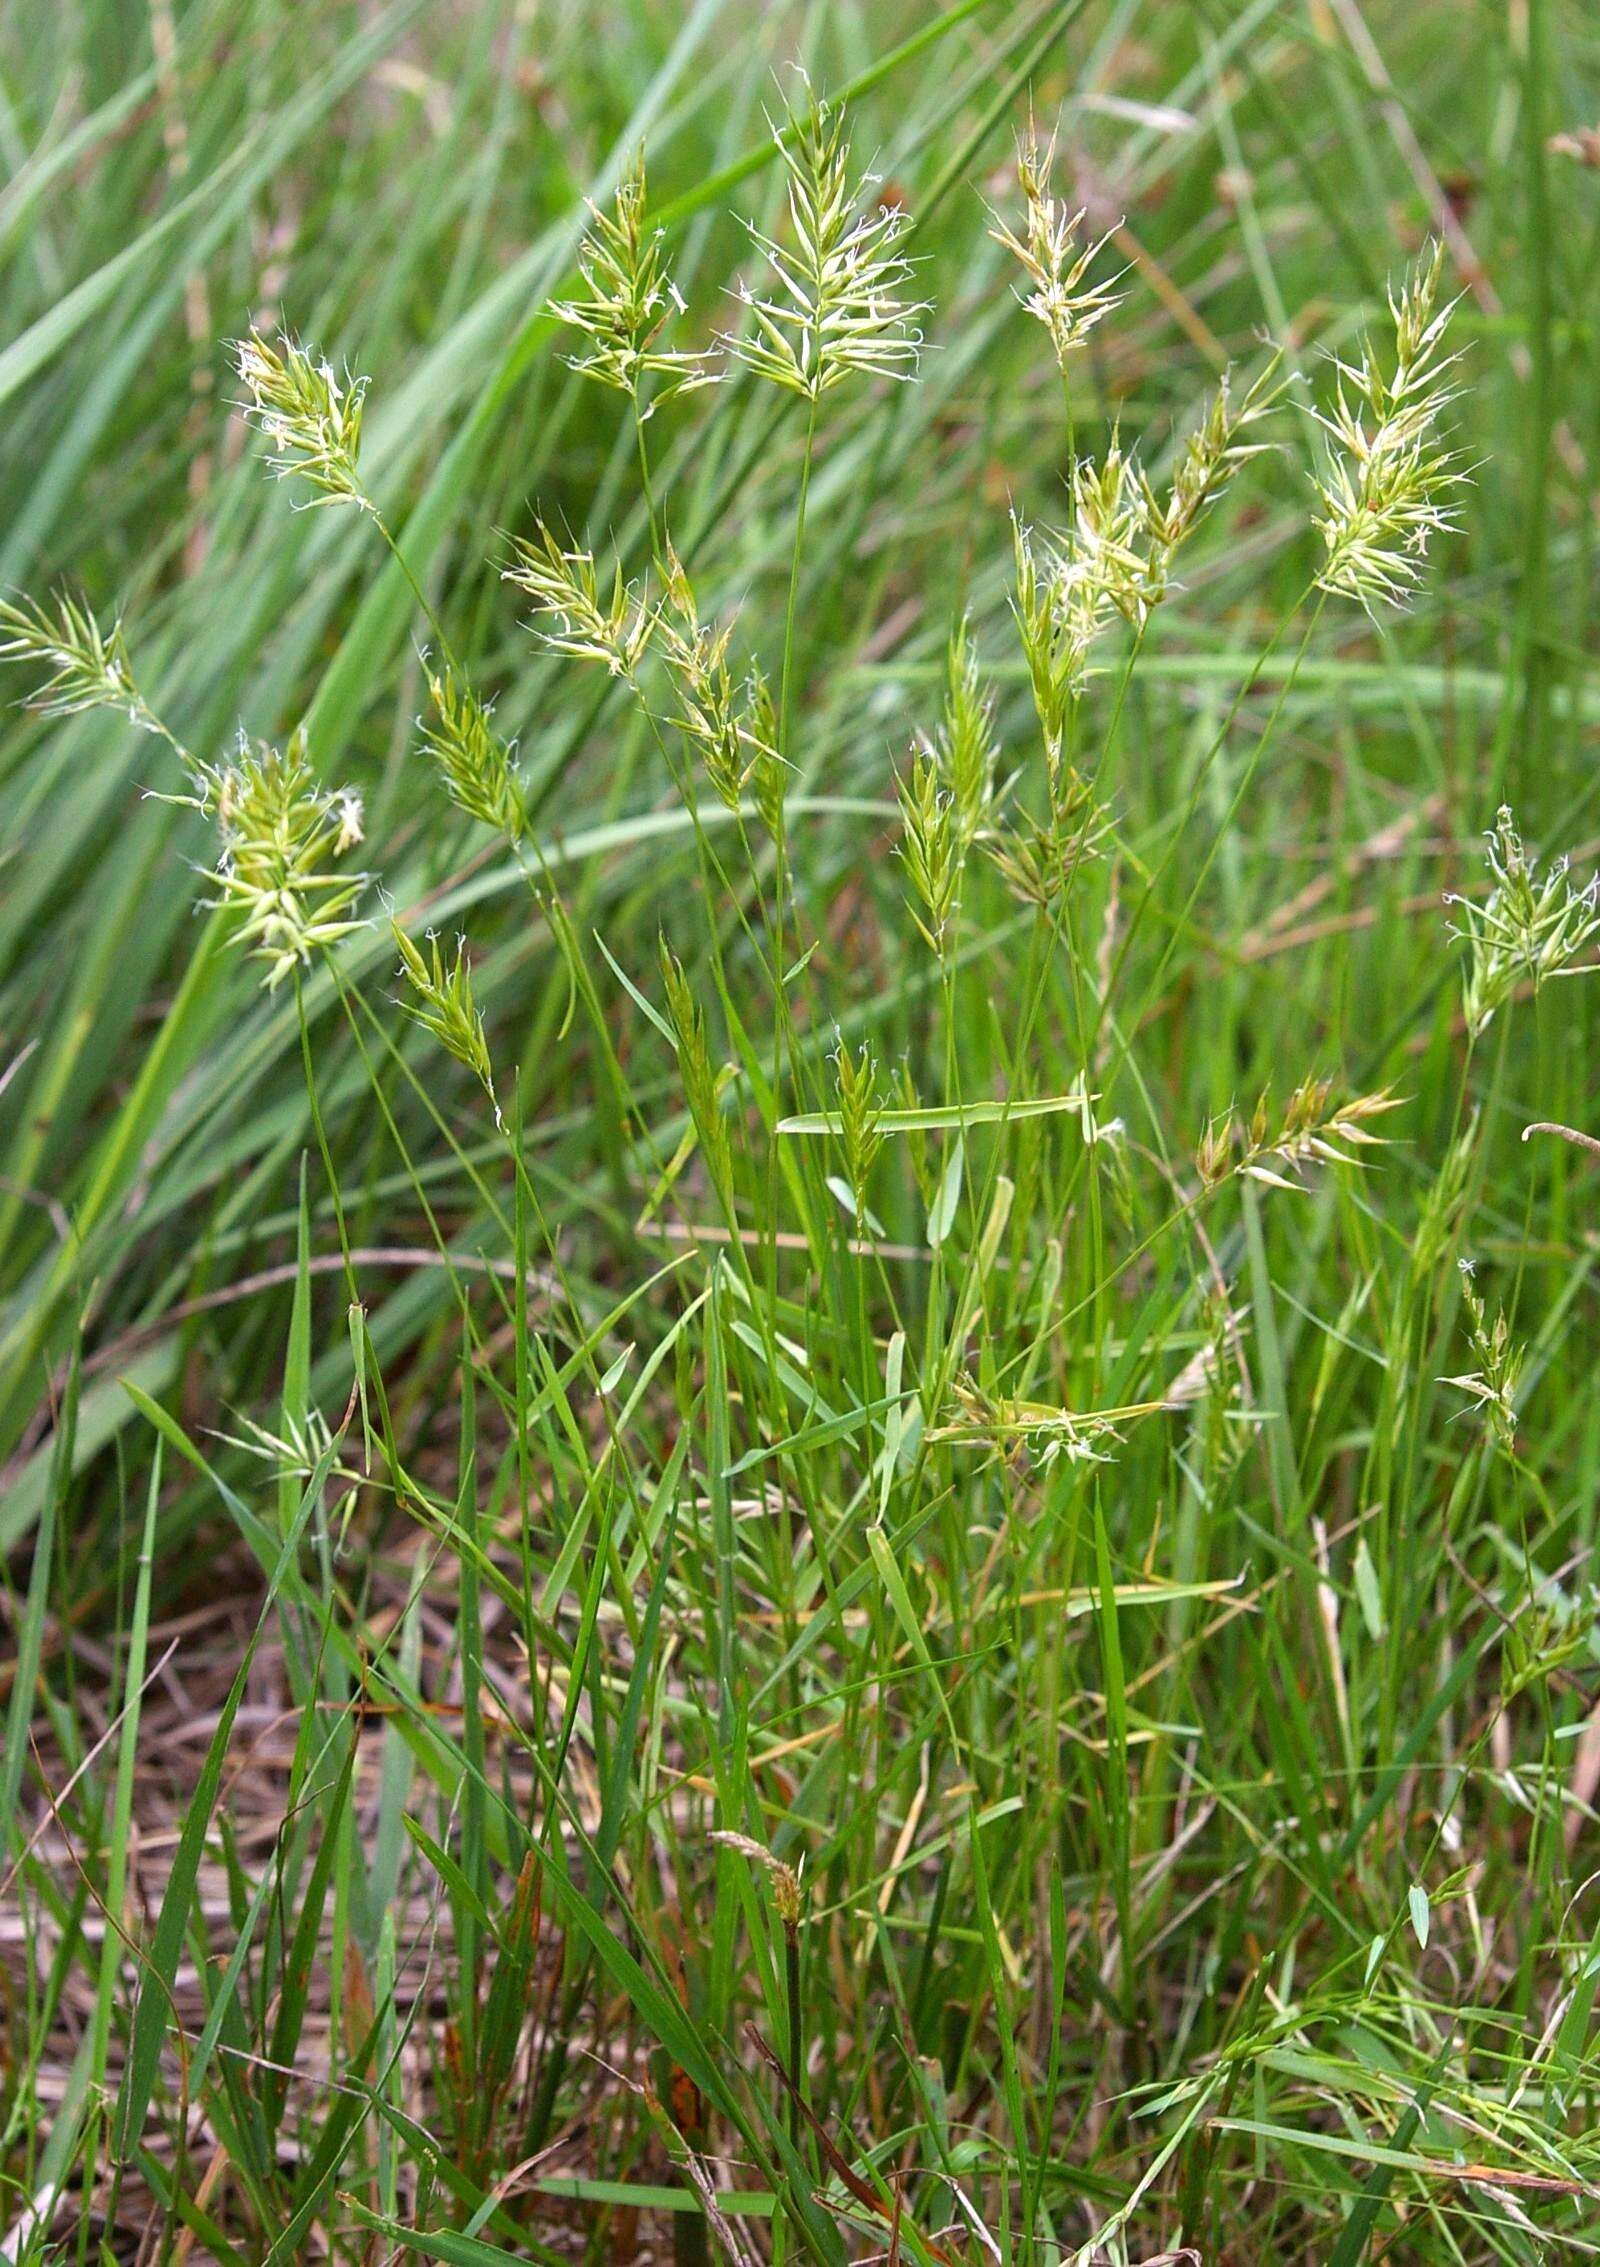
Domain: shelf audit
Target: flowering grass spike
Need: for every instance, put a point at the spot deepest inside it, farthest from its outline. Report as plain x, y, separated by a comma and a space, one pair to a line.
282, 835
1386, 486
1054, 257
834, 309
311, 417
628, 302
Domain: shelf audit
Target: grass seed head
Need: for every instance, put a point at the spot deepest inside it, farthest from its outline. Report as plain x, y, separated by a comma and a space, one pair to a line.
860, 1113
629, 299
1054, 257
834, 307
1103, 566
1066, 591
931, 849
1387, 480
87, 667
282, 834
439, 997
769, 773
965, 747
1207, 462
471, 758
977, 1417
1492, 1387
1531, 926
702, 1088
1311, 1130
1039, 861
728, 724
310, 415
565, 584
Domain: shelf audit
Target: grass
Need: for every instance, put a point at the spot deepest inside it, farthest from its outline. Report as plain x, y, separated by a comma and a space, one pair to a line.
871, 1537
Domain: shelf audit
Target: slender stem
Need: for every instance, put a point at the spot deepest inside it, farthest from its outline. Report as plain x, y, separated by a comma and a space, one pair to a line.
658, 547
417, 591
791, 1967
786, 691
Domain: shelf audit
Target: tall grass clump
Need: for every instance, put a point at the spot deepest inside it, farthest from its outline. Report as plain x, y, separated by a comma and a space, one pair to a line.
796, 1444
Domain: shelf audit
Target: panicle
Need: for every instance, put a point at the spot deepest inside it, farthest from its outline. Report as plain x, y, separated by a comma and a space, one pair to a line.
1387, 481
629, 299
1066, 593
1207, 461
1493, 1385
726, 723
980, 1418
702, 1089
470, 756
1102, 567
930, 849
88, 667
834, 307
1055, 653
1531, 926
1039, 862
564, 584
965, 746
860, 1115
281, 836
310, 415
1312, 1130
769, 775
439, 997
1054, 257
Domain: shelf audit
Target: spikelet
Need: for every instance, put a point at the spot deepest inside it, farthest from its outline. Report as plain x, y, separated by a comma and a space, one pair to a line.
630, 298
834, 307
1386, 485
311, 417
